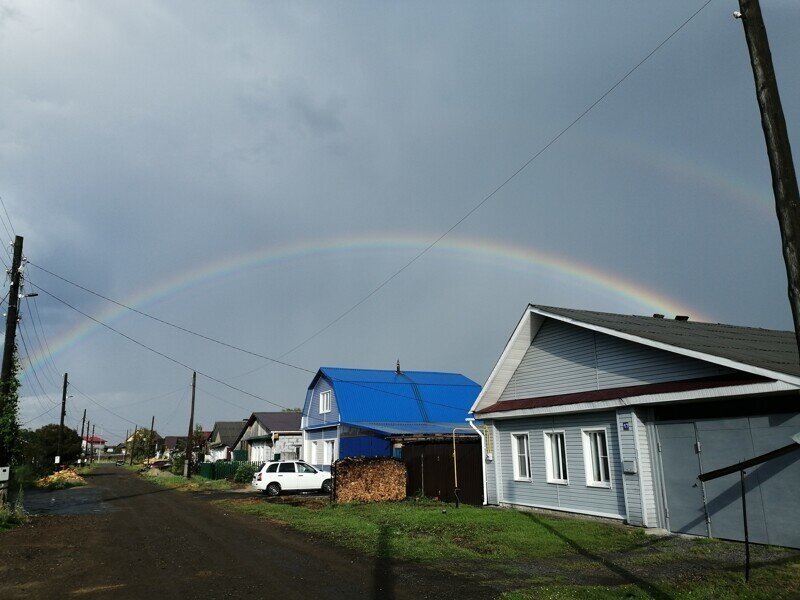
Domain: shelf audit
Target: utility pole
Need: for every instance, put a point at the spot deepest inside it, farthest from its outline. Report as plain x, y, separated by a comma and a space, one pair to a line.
187, 466
784, 178
63, 414
91, 456
10, 340
133, 442
150, 437
88, 423
83, 422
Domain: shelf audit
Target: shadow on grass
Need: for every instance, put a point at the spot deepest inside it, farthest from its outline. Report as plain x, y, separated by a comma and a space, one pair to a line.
383, 573
630, 577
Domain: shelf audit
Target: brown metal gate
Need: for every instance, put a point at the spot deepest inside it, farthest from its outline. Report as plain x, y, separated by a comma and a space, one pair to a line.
430, 470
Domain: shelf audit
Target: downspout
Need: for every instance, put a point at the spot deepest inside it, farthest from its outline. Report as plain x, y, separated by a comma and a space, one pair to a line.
483, 457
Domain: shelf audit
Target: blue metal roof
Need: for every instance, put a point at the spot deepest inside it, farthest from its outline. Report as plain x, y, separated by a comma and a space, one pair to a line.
365, 395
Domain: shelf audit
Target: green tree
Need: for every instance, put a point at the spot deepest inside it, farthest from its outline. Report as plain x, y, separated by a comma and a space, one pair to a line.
9, 415
139, 442
39, 448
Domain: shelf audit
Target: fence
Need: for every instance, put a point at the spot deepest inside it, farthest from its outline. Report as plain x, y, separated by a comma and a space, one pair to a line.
430, 470
224, 469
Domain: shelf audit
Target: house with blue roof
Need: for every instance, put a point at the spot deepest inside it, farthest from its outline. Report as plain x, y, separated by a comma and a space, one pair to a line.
359, 412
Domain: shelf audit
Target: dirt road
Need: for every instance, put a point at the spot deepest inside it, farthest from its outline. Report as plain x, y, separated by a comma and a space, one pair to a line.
133, 540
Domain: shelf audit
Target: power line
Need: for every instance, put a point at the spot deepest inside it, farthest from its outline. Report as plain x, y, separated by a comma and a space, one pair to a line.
10, 224
220, 381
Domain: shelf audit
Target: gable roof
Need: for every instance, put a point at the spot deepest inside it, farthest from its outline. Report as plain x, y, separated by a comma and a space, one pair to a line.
278, 421
228, 431
383, 396
171, 441
762, 352
93, 439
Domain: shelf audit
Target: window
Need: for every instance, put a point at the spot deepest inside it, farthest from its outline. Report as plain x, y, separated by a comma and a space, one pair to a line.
272, 468
329, 448
555, 456
325, 402
286, 468
313, 458
304, 468
595, 457
521, 456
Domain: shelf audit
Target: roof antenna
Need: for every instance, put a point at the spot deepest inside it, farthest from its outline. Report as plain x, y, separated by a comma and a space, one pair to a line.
398, 366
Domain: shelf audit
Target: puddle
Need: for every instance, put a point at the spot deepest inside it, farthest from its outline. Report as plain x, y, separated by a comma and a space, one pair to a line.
72, 501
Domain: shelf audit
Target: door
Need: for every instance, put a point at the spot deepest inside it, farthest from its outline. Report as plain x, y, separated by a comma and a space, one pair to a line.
685, 510
287, 477
307, 478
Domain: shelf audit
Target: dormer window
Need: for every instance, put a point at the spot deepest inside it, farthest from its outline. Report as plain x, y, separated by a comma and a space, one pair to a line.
325, 402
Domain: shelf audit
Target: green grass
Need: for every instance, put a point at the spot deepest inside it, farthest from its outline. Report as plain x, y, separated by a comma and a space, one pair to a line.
534, 555
12, 515
177, 482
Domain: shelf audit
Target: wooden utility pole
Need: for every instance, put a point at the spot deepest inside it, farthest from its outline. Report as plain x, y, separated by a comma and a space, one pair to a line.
150, 437
61, 422
784, 178
91, 455
12, 316
187, 466
133, 442
83, 422
88, 423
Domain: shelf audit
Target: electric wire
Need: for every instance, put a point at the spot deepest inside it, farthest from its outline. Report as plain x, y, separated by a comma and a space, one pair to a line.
10, 224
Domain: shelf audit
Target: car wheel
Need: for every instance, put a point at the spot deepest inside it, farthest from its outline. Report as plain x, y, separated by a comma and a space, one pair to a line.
326, 486
273, 489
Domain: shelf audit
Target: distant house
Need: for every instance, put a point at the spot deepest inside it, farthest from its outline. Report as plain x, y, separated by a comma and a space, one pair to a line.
172, 444
223, 438
157, 441
616, 416
271, 436
364, 412
93, 443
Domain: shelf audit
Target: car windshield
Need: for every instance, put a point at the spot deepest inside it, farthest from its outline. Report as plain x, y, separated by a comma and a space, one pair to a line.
304, 468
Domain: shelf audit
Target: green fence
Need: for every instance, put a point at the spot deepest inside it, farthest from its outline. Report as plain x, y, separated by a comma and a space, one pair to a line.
223, 470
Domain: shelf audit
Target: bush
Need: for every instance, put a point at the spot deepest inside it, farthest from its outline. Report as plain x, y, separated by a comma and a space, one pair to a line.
12, 514
178, 460
244, 473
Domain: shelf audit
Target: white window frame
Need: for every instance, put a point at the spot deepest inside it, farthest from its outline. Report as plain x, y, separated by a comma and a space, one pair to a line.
328, 451
515, 457
588, 457
548, 456
325, 402
313, 460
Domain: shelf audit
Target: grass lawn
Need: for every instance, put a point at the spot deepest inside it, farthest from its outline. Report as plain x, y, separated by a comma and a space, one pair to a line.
178, 482
527, 555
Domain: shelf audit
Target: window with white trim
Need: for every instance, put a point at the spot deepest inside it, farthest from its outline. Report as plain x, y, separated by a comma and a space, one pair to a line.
521, 456
555, 455
595, 456
325, 402
313, 457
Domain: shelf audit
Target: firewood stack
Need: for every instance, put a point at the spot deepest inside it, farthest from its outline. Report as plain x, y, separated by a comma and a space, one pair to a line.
376, 479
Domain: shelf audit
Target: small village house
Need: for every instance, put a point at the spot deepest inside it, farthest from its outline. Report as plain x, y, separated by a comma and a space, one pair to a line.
223, 438
93, 443
366, 412
616, 416
269, 436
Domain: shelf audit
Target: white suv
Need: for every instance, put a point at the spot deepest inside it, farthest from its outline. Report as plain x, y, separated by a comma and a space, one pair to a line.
294, 475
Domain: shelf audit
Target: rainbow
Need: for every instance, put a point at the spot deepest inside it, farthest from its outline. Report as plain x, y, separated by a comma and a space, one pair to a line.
500, 254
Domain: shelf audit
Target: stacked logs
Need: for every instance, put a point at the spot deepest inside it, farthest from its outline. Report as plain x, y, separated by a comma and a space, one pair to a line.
375, 479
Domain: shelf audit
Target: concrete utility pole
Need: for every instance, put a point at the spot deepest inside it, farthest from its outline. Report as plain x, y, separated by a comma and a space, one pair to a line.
10, 340
83, 422
784, 178
63, 414
86, 441
187, 465
150, 437
133, 442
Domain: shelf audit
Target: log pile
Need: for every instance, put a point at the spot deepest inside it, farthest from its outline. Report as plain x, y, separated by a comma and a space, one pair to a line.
376, 479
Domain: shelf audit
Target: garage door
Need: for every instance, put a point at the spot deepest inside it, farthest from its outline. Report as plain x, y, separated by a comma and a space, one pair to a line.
690, 448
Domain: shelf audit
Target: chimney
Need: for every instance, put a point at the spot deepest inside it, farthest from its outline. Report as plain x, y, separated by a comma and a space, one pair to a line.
658, 316
681, 317
398, 367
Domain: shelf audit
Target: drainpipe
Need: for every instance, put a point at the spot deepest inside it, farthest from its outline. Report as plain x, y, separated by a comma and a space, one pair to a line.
483, 456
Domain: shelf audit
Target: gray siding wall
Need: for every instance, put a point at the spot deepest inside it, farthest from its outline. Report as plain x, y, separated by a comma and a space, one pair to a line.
564, 358
319, 435
646, 476
576, 496
314, 418
491, 480
630, 481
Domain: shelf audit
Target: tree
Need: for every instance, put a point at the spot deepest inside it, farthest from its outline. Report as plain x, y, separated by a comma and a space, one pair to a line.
139, 444
9, 414
39, 448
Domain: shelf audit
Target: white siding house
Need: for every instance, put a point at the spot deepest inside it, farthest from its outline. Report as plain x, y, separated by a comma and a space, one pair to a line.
616, 416
271, 436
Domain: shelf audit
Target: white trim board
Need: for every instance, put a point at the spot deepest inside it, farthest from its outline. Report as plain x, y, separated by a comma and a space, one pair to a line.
643, 400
